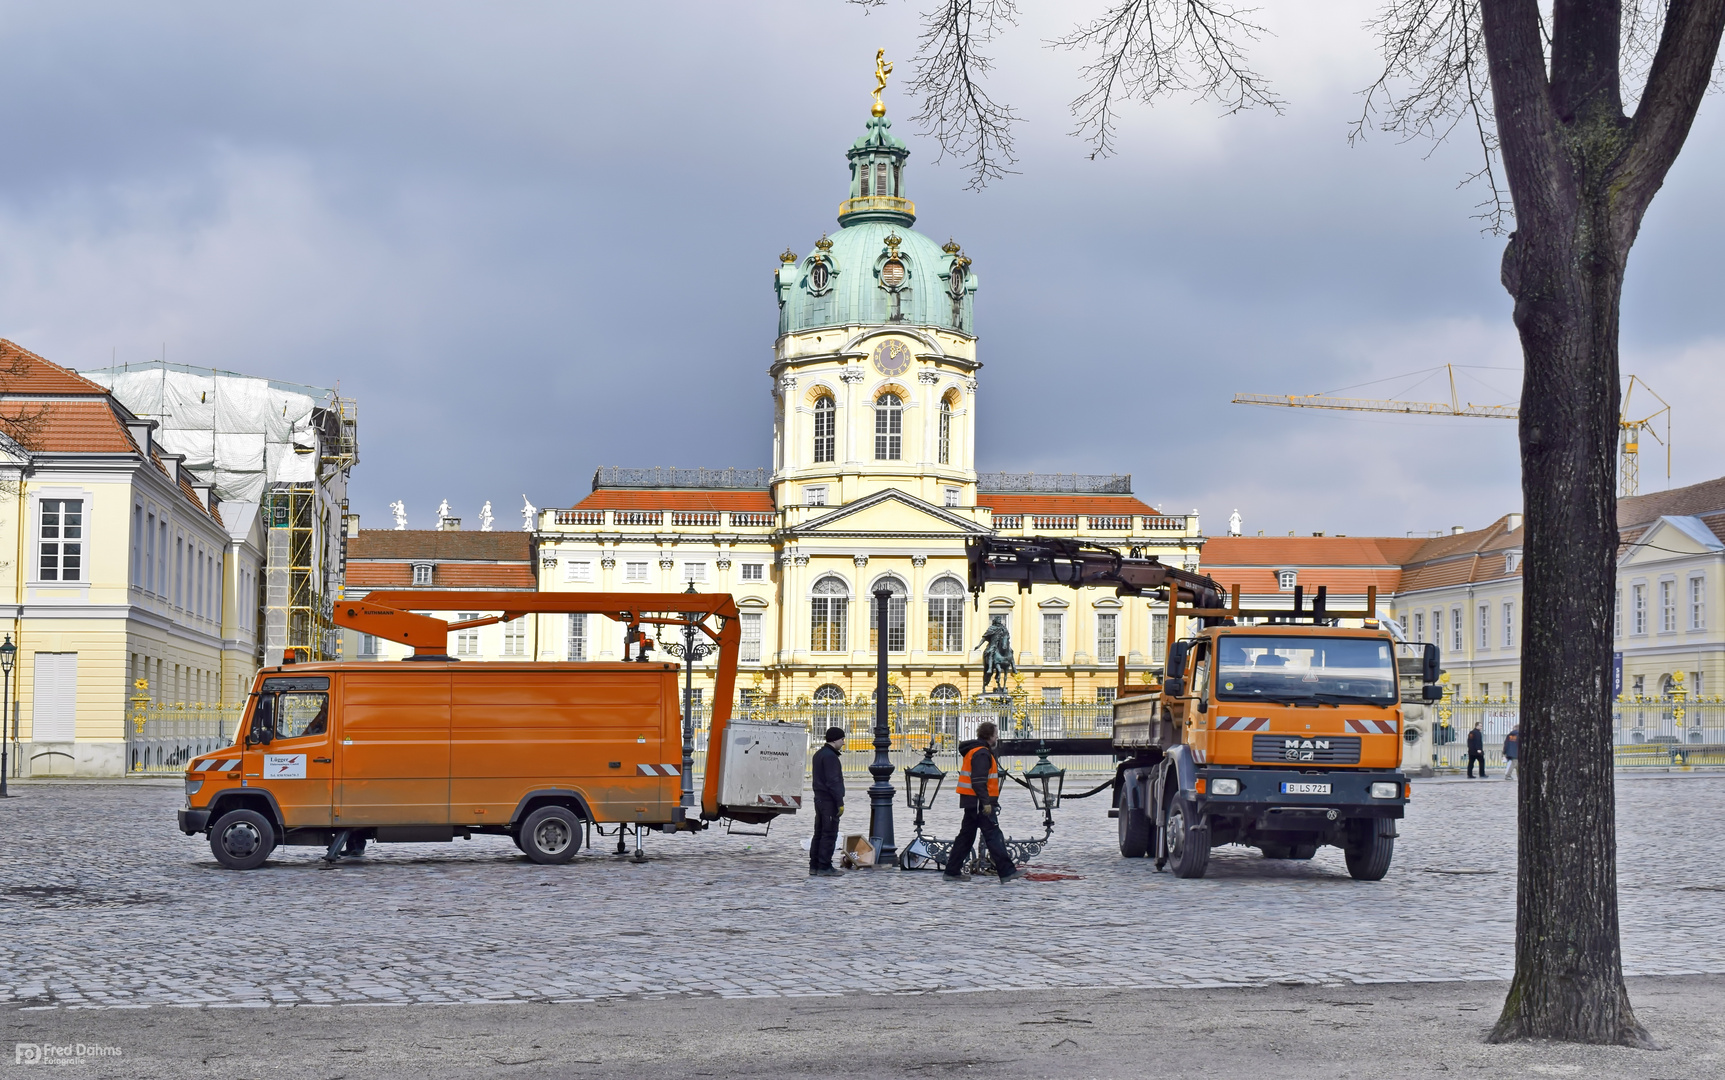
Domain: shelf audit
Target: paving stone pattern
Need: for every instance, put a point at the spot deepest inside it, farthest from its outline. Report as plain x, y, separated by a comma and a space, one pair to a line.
105, 904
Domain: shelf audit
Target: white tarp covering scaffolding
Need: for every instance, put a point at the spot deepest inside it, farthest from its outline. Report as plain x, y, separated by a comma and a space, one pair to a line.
247, 432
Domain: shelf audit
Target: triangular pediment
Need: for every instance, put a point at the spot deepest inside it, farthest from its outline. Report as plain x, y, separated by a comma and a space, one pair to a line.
1672, 535
890, 513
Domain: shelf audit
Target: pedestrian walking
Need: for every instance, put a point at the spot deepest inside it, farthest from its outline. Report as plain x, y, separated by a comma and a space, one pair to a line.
829, 804
1511, 751
979, 795
1476, 751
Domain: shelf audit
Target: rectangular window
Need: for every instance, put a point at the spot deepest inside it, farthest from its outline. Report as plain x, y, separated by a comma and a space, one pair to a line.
55, 697
1484, 627
815, 495
1107, 643
888, 430
1509, 624
1638, 609
751, 651
1509, 691
754, 571
578, 570
952, 496
1455, 630
1158, 636
826, 428
1105, 694
1697, 603
138, 545
693, 704
577, 637
198, 586
863, 180
1053, 637
467, 641
694, 571
1667, 607
827, 623
1695, 684
880, 178
422, 573
162, 558
515, 637
1485, 691
62, 539
1420, 626
635, 571
368, 645
946, 622
1053, 695
150, 553
179, 571
945, 435
894, 624
1617, 613
1638, 686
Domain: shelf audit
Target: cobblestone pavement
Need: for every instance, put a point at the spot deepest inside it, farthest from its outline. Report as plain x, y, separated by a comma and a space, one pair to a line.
104, 903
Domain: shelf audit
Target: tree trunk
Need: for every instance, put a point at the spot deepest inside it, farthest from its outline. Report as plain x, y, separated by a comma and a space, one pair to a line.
1568, 966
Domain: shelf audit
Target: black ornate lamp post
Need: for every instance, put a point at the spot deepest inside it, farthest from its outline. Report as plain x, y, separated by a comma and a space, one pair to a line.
1046, 780
880, 793
690, 650
921, 784
8, 656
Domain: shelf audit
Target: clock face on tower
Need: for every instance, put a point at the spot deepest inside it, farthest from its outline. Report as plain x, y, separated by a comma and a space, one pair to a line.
892, 357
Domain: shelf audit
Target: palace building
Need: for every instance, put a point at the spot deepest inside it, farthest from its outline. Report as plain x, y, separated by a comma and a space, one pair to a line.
878, 391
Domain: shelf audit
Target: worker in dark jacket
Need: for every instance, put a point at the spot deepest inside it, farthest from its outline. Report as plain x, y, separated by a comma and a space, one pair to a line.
1476, 751
1511, 751
829, 804
979, 795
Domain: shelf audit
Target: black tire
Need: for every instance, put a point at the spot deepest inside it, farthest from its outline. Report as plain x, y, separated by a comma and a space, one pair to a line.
1276, 851
1371, 846
1302, 852
1188, 847
1135, 832
242, 839
550, 835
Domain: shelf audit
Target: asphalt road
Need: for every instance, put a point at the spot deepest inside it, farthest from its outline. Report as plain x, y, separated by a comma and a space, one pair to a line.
1383, 1032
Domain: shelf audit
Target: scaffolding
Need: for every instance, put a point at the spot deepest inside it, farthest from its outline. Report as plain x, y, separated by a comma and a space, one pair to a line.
283, 451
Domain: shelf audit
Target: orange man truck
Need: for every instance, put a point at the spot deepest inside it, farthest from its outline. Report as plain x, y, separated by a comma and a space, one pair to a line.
430, 749
1283, 734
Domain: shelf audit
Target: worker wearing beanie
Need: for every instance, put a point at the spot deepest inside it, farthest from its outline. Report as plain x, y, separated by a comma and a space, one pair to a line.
829, 804
979, 795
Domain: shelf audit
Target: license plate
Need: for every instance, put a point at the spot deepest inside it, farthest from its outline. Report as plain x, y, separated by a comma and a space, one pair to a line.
1305, 789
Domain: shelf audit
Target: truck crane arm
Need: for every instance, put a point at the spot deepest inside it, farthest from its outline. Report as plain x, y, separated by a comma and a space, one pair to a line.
1046, 560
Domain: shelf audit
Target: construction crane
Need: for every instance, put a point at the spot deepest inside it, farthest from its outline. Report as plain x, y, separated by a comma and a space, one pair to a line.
1628, 469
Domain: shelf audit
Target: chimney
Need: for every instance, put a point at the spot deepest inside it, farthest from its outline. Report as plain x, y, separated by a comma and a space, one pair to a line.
1513, 522
449, 524
1457, 530
352, 526
1317, 534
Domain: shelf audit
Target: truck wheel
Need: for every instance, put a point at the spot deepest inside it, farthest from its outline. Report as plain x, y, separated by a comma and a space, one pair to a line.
1302, 852
1276, 851
242, 839
1371, 845
1134, 832
551, 834
1188, 845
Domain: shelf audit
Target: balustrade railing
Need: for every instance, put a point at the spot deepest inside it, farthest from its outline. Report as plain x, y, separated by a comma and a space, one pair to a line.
1115, 522
694, 517
161, 739
578, 517
637, 517
1164, 523
750, 519
1009, 521
1053, 521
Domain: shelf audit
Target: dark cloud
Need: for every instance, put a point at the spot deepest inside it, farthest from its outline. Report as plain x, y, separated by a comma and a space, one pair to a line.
534, 238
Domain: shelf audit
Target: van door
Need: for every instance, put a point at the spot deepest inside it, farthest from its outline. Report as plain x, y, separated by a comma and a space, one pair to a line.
392, 748
297, 761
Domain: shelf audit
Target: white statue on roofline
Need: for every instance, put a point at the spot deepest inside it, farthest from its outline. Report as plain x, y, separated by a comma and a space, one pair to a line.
485, 517
529, 514
399, 509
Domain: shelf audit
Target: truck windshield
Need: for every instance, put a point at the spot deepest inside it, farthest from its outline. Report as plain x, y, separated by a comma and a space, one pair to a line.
1317, 669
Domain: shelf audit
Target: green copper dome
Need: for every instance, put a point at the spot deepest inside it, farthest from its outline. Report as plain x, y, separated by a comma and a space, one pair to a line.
876, 268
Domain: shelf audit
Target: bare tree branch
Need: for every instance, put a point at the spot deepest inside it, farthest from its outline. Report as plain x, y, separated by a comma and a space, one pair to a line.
1435, 81
1678, 77
1148, 49
950, 68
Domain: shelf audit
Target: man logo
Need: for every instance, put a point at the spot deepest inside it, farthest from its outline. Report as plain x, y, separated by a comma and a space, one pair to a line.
26, 1054
1303, 749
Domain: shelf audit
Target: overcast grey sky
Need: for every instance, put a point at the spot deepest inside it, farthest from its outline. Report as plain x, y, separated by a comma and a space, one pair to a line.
533, 238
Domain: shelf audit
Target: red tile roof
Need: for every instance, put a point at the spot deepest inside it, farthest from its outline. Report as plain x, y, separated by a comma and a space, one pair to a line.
444, 575
1292, 552
437, 545
23, 372
669, 499
1004, 503
86, 426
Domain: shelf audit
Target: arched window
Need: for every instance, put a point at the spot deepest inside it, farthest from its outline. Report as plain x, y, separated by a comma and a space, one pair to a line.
888, 428
826, 427
894, 617
946, 433
946, 616
827, 615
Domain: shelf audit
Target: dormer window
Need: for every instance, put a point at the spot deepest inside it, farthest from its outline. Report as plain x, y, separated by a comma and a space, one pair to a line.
422, 573
1511, 562
1285, 580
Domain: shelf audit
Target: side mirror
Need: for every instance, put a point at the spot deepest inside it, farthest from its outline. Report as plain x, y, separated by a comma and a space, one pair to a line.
1203, 706
1432, 692
1174, 687
263, 726
1433, 662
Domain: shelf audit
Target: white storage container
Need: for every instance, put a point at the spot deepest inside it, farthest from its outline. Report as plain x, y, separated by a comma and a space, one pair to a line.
763, 766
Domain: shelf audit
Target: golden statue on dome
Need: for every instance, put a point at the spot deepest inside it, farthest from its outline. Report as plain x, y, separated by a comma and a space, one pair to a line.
882, 68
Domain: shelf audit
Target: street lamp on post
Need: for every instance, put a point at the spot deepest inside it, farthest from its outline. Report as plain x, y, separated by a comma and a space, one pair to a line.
1045, 780
690, 650
880, 793
8, 656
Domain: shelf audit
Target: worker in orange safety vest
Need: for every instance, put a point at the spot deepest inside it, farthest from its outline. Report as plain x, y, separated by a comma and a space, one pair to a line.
979, 795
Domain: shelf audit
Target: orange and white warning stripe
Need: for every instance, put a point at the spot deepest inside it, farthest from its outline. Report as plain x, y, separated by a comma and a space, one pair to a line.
1371, 727
1242, 723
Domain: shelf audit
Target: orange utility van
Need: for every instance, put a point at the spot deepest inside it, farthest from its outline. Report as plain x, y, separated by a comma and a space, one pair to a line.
430, 749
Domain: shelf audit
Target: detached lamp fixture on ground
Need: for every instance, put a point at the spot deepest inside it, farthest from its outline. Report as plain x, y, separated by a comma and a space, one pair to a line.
1046, 782
8, 656
921, 784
